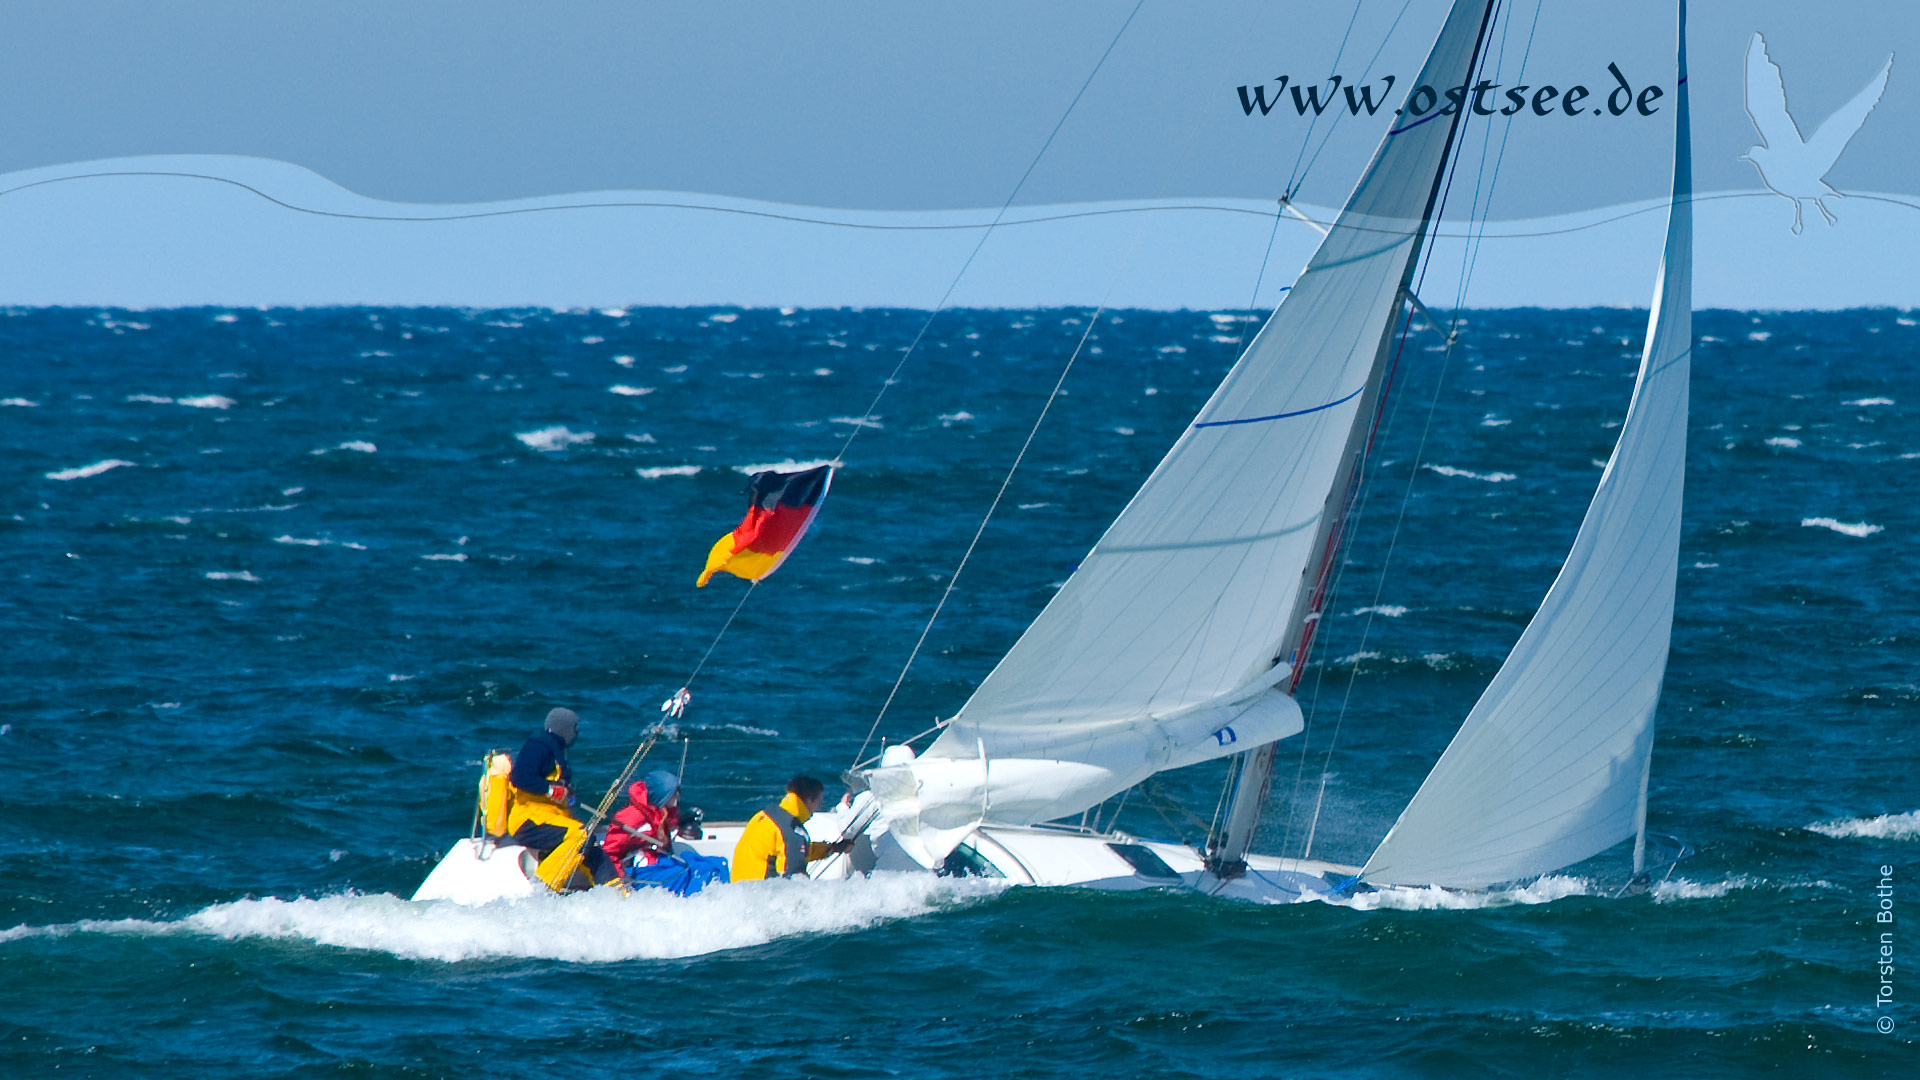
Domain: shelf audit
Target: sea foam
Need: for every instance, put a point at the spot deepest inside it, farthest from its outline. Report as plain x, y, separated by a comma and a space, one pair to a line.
1885, 827
558, 437
1845, 528
81, 472
593, 927
788, 465
1542, 891
1491, 478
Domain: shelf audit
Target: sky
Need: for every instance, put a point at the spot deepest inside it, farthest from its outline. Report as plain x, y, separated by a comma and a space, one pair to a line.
864, 108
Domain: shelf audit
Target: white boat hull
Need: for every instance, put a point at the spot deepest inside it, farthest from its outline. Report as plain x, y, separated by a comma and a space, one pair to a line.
479, 871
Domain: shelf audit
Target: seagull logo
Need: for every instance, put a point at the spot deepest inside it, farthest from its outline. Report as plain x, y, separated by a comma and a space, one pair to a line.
1793, 167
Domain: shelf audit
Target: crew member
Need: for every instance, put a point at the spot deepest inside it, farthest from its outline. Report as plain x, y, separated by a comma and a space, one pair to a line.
542, 784
775, 845
645, 828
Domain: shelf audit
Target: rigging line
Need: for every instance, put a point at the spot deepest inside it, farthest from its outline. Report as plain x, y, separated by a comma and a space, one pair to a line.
954, 578
804, 220
1426, 262
1334, 592
751, 585
1306, 139
982, 242
1338, 116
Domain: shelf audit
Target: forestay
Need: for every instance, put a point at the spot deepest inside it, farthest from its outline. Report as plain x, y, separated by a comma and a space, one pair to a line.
1550, 766
1163, 648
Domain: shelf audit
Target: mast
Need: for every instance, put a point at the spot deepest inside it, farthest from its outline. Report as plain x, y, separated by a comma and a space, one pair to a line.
1252, 773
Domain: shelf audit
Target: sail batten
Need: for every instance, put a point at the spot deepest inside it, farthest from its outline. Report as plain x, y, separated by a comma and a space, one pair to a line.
1550, 766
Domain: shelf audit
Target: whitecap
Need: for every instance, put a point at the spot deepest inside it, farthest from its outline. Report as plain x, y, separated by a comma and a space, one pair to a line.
614, 312
1857, 528
629, 391
598, 926
788, 465
675, 369
952, 418
862, 560
456, 557
19, 403
1682, 889
1491, 420
1391, 611
231, 575
857, 421
1491, 478
558, 437
1759, 335
305, 541
623, 361
226, 318
1870, 401
150, 399
1885, 827
657, 471
722, 318
641, 438
1785, 442
206, 401
83, 471
823, 372
1169, 350
358, 446
1434, 898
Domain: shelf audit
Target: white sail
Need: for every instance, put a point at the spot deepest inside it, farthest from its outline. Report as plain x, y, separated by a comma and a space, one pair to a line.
1165, 647
1549, 767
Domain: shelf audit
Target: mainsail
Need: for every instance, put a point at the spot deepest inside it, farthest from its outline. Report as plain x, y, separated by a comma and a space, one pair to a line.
1171, 643
1550, 767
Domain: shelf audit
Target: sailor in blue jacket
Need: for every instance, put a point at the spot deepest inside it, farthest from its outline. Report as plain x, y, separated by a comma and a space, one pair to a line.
540, 818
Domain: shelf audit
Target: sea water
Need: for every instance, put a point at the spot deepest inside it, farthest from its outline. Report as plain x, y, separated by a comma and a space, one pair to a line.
276, 580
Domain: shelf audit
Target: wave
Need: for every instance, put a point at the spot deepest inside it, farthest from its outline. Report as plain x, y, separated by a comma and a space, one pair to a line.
1542, 891
1491, 478
231, 575
306, 541
1870, 401
558, 437
1885, 827
206, 401
1391, 611
1845, 528
1682, 889
655, 472
788, 465
358, 446
629, 391
592, 927
20, 402
1784, 442
81, 472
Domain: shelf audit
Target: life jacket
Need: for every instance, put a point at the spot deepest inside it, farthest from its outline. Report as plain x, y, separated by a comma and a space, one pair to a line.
496, 795
639, 817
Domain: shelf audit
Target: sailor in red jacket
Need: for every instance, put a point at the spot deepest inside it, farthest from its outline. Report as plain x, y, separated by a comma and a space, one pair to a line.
645, 828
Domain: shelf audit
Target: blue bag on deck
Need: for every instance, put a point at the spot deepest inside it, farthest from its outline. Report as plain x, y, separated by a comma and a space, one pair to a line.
682, 873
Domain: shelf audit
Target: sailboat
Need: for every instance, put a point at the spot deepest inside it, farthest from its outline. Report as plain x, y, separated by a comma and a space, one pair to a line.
1183, 634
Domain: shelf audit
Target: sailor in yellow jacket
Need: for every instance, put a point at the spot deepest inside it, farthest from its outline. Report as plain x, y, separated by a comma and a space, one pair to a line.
775, 845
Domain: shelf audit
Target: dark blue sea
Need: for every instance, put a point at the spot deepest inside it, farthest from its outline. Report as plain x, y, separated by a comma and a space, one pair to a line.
275, 580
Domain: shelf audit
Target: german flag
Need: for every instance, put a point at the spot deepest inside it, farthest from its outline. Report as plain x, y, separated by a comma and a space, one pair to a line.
780, 508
